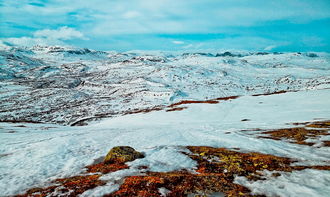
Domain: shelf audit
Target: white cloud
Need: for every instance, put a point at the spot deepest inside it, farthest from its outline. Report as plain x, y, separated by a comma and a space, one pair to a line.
62, 33
48, 37
162, 16
102, 19
270, 47
177, 42
131, 14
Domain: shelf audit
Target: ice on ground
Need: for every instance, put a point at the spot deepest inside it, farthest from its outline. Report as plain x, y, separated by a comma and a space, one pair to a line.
163, 191
309, 183
165, 159
34, 154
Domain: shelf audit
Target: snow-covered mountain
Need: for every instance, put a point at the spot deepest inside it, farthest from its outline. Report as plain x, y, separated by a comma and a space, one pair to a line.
72, 86
67, 86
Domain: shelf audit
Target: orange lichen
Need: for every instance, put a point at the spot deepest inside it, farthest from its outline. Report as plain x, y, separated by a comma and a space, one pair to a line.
236, 163
72, 186
79, 184
178, 184
319, 124
106, 168
216, 172
299, 135
217, 168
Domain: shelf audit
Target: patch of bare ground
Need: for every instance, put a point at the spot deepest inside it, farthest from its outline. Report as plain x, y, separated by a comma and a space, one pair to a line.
143, 110
20, 126
20, 121
226, 98
193, 102
326, 143
216, 171
176, 109
169, 108
73, 186
272, 93
174, 106
301, 135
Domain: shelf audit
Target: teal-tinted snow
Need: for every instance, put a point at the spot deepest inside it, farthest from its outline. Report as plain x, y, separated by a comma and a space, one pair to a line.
67, 86
33, 155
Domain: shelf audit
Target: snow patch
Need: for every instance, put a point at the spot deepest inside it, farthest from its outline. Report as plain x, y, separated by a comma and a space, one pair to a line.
298, 183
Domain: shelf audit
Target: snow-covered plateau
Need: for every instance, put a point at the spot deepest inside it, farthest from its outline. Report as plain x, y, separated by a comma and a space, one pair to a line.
63, 108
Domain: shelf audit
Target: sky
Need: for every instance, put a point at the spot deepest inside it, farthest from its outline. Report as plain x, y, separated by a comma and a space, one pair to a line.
123, 25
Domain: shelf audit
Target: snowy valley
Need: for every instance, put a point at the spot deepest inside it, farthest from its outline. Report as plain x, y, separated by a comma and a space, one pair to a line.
63, 108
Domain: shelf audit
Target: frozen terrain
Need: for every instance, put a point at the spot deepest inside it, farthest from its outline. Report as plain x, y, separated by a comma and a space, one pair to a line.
37, 153
71, 86
44, 90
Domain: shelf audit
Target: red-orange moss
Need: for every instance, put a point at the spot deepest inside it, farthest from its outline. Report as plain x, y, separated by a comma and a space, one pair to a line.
72, 186
217, 168
299, 135
106, 168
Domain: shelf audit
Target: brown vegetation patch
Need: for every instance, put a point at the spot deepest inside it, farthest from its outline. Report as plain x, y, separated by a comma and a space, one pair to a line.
136, 111
319, 124
174, 106
216, 172
217, 168
176, 109
226, 98
20, 126
326, 143
299, 135
72, 186
20, 121
272, 93
229, 162
106, 168
5, 155
179, 184
193, 102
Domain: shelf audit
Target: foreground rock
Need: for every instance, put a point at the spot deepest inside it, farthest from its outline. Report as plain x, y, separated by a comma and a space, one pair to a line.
122, 154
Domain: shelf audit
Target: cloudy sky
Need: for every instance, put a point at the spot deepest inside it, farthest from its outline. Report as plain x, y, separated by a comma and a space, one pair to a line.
278, 25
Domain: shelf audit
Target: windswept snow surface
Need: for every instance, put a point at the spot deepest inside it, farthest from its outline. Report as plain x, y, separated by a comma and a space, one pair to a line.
311, 183
61, 86
70, 86
33, 155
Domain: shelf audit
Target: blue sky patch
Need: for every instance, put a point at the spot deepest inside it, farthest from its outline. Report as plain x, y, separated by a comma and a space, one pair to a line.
282, 25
